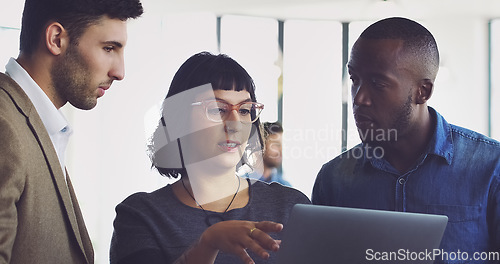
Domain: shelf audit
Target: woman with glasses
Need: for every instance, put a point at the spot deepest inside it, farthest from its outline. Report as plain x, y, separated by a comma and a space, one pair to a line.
208, 135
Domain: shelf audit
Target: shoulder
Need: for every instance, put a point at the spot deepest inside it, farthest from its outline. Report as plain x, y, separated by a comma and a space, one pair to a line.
141, 200
15, 134
346, 160
277, 192
344, 166
273, 201
144, 208
11, 92
5, 80
460, 137
469, 150
15, 106
475, 147
464, 134
7, 101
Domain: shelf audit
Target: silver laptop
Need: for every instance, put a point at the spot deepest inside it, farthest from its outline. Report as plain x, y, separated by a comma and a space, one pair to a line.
325, 234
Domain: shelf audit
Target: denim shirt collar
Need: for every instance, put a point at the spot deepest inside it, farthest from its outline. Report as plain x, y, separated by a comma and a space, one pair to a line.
441, 144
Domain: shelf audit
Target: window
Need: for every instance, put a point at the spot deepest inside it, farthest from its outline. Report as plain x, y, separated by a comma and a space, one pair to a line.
494, 89
10, 45
253, 42
312, 99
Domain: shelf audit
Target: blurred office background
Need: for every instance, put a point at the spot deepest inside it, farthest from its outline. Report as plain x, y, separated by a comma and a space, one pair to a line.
295, 50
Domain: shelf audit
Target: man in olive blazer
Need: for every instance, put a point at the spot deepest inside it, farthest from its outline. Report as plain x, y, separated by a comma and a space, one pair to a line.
70, 51
40, 220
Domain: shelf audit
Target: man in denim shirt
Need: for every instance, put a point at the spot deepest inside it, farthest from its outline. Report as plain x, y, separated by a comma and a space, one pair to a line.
411, 159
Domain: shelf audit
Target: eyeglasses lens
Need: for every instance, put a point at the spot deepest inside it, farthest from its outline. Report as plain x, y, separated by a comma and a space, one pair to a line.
220, 111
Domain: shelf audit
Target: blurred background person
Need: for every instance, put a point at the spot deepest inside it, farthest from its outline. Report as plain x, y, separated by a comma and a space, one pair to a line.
273, 154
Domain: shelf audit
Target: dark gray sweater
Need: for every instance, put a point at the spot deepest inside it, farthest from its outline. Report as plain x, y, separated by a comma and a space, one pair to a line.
157, 228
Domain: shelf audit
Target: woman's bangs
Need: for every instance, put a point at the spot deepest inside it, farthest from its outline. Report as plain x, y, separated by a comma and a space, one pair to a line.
233, 81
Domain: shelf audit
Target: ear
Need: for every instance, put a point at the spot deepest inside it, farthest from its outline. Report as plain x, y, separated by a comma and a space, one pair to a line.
56, 38
424, 92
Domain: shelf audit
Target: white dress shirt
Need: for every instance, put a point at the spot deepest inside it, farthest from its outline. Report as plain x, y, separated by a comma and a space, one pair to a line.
56, 124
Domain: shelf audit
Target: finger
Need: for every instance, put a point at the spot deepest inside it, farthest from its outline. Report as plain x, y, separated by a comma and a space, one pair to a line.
264, 240
269, 226
244, 256
256, 248
251, 230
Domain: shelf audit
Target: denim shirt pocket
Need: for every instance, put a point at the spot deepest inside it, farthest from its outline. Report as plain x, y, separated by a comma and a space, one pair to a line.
456, 213
462, 230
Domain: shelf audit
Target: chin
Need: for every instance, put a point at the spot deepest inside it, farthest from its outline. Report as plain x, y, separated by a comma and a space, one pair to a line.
83, 102
87, 106
228, 161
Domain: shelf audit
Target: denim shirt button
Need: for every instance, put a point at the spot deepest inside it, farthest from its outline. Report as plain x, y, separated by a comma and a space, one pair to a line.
401, 181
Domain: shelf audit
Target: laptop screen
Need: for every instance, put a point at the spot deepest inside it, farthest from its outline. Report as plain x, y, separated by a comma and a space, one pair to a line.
327, 234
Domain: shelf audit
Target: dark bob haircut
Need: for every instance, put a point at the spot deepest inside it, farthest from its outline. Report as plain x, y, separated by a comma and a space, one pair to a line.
223, 73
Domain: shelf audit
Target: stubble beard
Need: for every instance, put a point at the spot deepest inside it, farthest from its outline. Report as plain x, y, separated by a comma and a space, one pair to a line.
72, 80
402, 122
400, 126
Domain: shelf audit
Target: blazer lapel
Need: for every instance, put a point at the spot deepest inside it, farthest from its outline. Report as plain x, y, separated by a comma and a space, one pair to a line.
84, 238
37, 127
70, 203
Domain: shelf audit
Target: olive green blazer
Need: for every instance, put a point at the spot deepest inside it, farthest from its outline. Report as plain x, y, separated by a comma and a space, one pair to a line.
40, 220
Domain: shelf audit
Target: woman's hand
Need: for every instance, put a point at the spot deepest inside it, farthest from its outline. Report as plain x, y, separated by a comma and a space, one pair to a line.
236, 237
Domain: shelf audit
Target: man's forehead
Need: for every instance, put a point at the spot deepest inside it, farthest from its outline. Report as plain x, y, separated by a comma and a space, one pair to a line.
108, 30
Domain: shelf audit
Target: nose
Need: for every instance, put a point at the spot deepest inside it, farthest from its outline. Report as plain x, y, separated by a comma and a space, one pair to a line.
233, 115
360, 95
233, 122
117, 71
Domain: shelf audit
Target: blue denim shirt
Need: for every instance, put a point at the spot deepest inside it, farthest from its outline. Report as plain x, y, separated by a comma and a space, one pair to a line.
458, 176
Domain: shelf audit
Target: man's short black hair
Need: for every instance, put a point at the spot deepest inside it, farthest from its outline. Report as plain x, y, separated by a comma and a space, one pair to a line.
417, 40
74, 15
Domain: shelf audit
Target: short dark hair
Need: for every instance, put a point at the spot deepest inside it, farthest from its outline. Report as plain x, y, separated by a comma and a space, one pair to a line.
75, 16
417, 40
223, 73
272, 128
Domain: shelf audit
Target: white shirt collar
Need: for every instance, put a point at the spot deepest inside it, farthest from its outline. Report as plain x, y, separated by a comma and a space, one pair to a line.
53, 119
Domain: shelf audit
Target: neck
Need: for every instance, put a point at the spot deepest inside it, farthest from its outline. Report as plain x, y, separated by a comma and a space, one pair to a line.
403, 153
207, 187
38, 66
